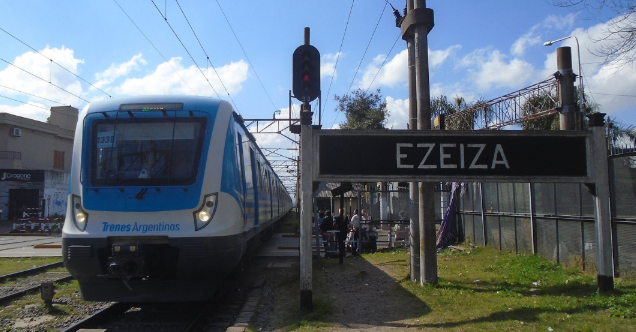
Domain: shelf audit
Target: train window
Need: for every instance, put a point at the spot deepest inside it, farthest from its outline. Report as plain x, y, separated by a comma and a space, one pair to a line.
146, 151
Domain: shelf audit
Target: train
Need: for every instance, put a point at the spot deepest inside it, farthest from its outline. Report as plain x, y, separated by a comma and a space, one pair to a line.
167, 195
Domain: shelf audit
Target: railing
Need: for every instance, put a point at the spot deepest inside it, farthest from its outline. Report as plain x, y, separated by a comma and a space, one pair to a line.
13, 155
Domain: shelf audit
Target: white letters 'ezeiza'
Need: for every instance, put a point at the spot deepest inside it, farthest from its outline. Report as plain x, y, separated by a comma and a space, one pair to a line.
448, 151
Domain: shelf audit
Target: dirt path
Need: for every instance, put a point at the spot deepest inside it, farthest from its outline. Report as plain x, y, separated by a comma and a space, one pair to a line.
363, 296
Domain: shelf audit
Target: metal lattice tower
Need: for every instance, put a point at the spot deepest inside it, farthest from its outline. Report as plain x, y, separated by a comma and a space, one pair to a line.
508, 109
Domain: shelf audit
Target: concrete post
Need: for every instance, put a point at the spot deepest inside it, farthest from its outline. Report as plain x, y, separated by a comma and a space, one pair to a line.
306, 187
428, 251
306, 133
414, 236
567, 118
600, 171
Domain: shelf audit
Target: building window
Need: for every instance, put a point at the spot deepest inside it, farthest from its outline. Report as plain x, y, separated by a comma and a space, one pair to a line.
58, 159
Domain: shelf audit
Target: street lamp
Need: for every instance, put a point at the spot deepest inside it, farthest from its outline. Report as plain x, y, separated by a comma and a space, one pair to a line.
578, 52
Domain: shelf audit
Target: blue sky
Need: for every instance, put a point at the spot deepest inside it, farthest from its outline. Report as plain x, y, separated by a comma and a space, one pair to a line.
478, 49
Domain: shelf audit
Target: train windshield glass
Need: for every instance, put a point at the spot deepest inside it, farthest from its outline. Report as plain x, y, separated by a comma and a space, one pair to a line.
146, 152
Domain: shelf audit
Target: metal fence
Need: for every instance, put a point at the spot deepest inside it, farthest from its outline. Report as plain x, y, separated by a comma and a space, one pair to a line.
553, 220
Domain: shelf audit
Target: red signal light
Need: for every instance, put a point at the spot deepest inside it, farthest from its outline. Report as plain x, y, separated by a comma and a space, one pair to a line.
306, 78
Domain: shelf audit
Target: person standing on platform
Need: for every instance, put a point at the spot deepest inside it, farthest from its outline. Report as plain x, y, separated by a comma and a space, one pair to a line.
342, 235
355, 228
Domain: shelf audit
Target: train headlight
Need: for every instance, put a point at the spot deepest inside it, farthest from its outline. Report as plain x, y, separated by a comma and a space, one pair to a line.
80, 217
205, 213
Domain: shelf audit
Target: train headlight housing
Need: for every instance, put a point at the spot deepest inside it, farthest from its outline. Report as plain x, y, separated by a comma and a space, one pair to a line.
205, 213
80, 217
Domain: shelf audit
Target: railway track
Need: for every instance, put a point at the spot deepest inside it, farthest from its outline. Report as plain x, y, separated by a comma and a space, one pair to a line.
18, 284
215, 315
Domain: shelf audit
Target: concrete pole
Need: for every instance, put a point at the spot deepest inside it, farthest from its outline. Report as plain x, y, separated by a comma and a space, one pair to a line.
413, 186
306, 212
567, 118
428, 251
600, 171
306, 187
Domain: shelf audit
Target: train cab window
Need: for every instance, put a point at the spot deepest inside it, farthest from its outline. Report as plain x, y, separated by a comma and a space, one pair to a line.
146, 151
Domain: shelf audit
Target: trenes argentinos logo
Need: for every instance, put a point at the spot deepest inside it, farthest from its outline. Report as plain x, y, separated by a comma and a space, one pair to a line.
15, 176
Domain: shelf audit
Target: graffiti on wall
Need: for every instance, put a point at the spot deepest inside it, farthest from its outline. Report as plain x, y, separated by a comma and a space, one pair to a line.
55, 193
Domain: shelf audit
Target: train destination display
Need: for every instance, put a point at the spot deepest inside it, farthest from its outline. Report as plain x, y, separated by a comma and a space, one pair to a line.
500, 156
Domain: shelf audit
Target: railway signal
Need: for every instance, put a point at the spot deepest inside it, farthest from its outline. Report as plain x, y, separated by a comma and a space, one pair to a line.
306, 72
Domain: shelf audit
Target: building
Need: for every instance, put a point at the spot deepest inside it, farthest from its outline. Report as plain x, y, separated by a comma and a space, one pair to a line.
35, 163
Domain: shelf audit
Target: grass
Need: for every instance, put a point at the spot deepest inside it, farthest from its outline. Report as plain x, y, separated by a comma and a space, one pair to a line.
486, 289
11, 265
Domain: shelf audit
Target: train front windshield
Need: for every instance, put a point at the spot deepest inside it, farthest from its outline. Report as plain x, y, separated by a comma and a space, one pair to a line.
146, 151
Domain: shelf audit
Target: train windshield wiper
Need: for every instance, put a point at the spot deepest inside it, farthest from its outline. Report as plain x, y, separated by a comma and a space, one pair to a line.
141, 193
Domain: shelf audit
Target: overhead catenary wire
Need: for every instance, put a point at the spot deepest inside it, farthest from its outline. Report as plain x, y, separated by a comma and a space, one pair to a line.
40, 78
337, 58
24, 102
26, 93
245, 53
208, 58
156, 49
384, 62
53, 61
185, 48
365, 51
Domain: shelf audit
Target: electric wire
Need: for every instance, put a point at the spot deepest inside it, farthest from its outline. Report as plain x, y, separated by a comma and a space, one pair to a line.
245, 53
24, 102
384, 62
26, 93
25, 44
38, 77
185, 48
365, 51
338, 58
153, 45
207, 57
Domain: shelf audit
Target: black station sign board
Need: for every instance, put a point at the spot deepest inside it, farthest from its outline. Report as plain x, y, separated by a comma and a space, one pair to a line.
484, 156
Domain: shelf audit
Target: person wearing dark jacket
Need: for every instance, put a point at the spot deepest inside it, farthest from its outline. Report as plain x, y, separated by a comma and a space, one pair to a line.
343, 227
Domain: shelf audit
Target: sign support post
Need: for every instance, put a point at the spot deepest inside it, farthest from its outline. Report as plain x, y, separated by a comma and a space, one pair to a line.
602, 215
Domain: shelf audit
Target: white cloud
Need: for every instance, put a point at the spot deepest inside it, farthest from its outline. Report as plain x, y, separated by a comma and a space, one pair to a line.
36, 111
529, 39
118, 70
40, 66
437, 57
398, 113
328, 65
489, 68
393, 73
171, 77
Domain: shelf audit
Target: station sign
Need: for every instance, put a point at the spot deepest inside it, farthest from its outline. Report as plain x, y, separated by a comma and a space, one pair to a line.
478, 156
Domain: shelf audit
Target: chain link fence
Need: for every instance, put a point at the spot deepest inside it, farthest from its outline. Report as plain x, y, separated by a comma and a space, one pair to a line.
554, 220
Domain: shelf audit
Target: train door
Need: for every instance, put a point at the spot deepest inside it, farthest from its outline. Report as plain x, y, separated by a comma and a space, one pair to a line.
241, 161
255, 178
250, 186
271, 194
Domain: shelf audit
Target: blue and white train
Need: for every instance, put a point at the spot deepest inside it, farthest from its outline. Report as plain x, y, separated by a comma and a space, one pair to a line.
167, 194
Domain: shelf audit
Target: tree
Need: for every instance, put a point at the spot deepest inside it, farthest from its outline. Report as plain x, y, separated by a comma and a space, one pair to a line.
364, 110
532, 109
618, 42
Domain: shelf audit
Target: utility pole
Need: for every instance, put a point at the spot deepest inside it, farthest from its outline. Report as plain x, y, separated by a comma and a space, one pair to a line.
567, 118
414, 236
416, 25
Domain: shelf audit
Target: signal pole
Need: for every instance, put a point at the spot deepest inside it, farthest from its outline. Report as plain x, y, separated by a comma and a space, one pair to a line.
416, 25
306, 87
